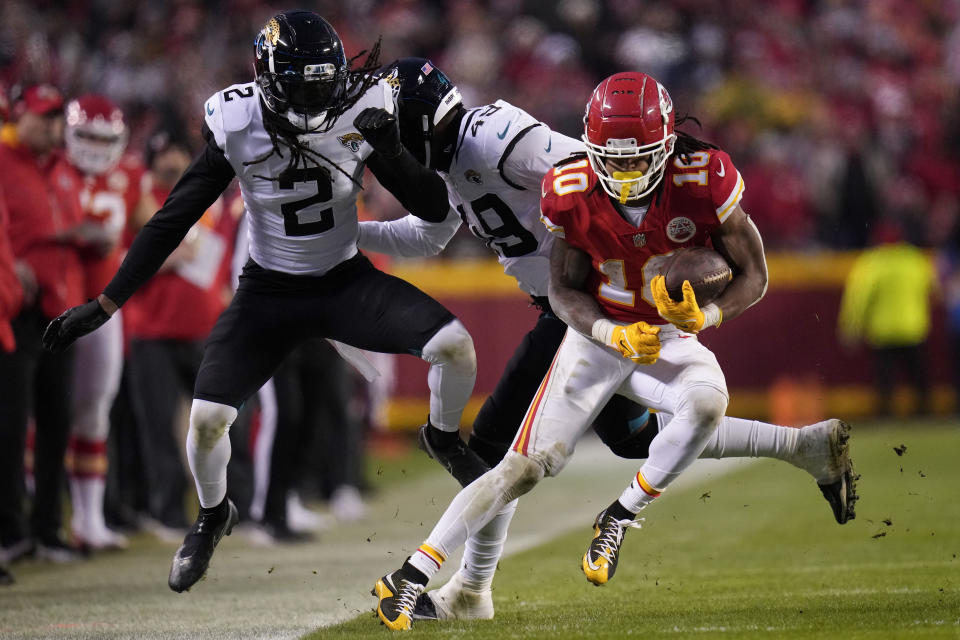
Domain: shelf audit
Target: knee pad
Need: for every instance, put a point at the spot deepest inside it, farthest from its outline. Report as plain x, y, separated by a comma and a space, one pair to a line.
452, 346
209, 422
704, 406
519, 474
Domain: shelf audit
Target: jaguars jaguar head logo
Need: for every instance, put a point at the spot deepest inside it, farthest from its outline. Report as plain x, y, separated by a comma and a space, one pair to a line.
271, 32
351, 141
472, 176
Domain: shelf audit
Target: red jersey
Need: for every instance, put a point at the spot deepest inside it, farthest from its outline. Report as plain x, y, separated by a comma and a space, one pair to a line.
696, 197
183, 302
43, 201
109, 199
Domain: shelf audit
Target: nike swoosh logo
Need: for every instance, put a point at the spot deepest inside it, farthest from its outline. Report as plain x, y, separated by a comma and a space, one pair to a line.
722, 171
504, 133
549, 145
209, 109
592, 566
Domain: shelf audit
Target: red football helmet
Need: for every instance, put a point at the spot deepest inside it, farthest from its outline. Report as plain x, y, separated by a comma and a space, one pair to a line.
96, 134
629, 115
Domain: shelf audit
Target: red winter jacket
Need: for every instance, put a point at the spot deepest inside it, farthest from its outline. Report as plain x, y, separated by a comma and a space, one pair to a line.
43, 201
11, 293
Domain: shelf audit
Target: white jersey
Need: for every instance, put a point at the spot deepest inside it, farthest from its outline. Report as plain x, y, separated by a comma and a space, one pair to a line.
306, 222
502, 154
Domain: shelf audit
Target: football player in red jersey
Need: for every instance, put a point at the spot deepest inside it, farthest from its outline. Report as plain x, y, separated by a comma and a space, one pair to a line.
641, 192
96, 138
659, 190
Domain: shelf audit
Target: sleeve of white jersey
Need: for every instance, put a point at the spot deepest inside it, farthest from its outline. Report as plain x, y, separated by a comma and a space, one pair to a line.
213, 116
409, 236
536, 153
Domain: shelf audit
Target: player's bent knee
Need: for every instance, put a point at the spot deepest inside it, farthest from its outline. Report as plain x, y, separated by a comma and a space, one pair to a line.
210, 421
704, 406
519, 474
452, 346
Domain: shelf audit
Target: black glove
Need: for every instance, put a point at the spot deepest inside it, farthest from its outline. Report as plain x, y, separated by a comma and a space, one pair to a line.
381, 130
73, 323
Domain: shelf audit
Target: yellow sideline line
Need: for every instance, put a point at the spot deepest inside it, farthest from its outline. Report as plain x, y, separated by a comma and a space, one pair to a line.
477, 278
848, 402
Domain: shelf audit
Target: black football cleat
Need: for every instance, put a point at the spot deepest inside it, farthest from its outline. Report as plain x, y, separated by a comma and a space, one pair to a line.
458, 459
193, 557
600, 561
396, 599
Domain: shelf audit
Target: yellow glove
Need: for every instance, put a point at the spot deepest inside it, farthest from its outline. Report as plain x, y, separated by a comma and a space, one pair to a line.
686, 315
638, 342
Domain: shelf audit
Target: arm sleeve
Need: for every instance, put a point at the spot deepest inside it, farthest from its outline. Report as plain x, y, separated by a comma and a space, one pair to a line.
535, 153
202, 183
408, 237
420, 190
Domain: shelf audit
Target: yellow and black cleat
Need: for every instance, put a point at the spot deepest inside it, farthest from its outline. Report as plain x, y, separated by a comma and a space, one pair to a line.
600, 561
396, 598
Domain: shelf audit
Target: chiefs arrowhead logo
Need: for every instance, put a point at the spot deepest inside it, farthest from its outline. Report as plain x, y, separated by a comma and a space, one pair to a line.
681, 229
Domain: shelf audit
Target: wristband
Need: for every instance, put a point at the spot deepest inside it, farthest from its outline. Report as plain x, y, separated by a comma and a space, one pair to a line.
712, 315
602, 331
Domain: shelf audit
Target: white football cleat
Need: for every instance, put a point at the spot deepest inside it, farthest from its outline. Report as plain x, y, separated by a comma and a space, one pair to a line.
824, 453
453, 601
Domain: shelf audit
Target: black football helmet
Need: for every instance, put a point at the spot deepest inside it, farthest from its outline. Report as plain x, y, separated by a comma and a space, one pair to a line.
425, 96
301, 72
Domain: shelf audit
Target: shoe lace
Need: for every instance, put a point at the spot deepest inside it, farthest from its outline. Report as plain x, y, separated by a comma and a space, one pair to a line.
407, 596
608, 543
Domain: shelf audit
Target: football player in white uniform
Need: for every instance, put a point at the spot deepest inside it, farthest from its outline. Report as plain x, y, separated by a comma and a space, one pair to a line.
297, 139
493, 159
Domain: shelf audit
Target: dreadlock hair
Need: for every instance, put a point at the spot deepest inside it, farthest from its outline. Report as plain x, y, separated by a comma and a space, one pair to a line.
358, 82
684, 146
686, 143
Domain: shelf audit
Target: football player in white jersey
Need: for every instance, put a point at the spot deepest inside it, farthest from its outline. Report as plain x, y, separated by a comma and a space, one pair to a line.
493, 158
297, 139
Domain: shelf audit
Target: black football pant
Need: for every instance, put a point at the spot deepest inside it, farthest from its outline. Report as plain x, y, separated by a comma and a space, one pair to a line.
621, 424
34, 382
273, 312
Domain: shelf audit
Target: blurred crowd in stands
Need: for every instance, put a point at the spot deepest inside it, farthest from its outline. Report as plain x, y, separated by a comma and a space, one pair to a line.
838, 113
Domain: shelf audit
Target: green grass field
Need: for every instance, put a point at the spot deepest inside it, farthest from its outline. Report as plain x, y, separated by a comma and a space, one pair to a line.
747, 551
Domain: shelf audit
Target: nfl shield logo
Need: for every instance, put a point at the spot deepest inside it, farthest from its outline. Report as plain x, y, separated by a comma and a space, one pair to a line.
640, 240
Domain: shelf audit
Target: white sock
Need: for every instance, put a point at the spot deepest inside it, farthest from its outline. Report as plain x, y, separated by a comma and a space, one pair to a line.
208, 449
739, 438
453, 370
481, 500
482, 551
677, 445
86, 495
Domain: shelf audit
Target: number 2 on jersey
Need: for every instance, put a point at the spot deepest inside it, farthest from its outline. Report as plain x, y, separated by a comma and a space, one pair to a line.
292, 224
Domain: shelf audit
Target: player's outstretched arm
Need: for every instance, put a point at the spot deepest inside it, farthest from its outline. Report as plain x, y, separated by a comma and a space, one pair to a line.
740, 243
197, 189
408, 237
419, 189
569, 268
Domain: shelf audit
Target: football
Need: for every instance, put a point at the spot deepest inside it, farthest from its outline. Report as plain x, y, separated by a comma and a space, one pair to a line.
707, 271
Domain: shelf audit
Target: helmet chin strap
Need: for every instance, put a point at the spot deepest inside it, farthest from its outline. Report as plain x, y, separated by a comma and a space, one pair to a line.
625, 189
